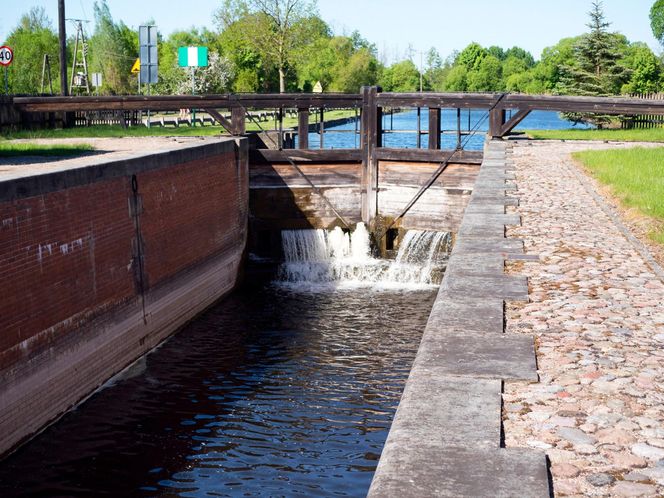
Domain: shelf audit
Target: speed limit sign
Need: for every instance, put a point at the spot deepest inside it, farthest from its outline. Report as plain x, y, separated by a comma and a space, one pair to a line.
6, 55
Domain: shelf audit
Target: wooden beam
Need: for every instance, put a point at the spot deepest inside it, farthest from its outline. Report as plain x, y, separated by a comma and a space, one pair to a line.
225, 123
434, 128
425, 155
176, 102
270, 156
514, 121
238, 121
303, 128
438, 100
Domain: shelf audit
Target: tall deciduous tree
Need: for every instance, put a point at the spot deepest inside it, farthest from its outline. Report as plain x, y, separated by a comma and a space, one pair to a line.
113, 50
277, 27
657, 20
33, 38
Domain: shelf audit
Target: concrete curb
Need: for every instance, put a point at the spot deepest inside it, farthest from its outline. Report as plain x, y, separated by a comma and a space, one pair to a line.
446, 436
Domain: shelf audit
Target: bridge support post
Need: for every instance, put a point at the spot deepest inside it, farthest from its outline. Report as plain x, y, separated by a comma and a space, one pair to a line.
372, 138
434, 128
303, 128
238, 121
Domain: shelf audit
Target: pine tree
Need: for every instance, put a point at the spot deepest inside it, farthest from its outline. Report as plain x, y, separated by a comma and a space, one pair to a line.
596, 69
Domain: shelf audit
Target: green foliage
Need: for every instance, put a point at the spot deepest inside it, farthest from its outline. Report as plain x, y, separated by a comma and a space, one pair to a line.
401, 77
630, 175
596, 68
31, 40
113, 50
487, 77
14, 149
471, 57
646, 70
657, 20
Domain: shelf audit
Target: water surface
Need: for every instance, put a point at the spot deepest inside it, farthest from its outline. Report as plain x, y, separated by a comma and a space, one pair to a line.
269, 393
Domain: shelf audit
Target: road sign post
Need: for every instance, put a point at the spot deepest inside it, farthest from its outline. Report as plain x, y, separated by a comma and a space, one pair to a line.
6, 58
193, 57
148, 57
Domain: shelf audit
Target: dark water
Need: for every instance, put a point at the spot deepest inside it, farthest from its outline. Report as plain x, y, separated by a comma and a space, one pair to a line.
407, 121
270, 393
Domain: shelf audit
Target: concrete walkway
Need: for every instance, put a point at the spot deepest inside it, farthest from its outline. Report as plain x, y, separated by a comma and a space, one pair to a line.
597, 310
446, 436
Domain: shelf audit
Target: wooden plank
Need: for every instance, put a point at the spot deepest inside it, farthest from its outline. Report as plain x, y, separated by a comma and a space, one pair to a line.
268, 156
176, 102
438, 100
409, 174
425, 155
320, 174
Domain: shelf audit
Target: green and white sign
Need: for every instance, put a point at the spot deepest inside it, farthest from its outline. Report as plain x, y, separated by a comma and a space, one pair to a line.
193, 56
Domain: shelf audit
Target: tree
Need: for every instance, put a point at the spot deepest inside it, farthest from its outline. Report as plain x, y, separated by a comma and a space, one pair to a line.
277, 28
596, 69
646, 69
457, 79
657, 20
33, 38
113, 50
401, 77
471, 57
487, 77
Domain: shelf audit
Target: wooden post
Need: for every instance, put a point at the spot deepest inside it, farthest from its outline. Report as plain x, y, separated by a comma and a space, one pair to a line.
419, 127
280, 141
458, 145
372, 137
321, 125
496, 121
237, 121
434, 128
303, 128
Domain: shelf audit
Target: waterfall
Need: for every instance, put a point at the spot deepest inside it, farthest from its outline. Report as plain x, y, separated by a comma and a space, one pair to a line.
314, 257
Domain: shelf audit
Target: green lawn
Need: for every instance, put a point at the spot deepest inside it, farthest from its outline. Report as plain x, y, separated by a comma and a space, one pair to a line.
142, 131
649, 135
636, 177
31, 149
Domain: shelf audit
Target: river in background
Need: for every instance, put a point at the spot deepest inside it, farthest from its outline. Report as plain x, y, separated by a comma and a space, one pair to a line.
401, 129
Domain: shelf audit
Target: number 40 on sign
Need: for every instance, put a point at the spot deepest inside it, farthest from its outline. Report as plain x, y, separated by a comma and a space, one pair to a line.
6, 55
6, 58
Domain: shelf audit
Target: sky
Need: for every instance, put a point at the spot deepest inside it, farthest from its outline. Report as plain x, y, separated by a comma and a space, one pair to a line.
392, 25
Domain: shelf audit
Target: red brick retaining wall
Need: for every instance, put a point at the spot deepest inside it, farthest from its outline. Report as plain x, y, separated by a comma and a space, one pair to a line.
100, 264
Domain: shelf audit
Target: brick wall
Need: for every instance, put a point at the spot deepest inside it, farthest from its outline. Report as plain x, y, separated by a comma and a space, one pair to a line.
94, 275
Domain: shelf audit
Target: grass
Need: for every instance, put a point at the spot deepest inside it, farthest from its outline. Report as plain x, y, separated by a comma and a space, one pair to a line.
107, 131
53, 150
636, 177
647, 135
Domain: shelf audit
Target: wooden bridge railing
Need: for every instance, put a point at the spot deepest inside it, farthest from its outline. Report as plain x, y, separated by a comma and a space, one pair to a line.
370, 100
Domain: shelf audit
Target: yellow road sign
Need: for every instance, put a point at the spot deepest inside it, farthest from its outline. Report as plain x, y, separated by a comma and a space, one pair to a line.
136, 68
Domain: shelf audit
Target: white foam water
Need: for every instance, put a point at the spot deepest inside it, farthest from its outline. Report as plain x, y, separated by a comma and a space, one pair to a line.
320, 259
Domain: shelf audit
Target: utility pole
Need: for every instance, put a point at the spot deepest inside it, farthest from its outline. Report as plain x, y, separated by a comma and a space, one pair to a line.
63, 47
421, 68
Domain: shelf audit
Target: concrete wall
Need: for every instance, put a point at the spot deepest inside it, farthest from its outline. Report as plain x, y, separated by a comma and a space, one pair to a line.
99, 264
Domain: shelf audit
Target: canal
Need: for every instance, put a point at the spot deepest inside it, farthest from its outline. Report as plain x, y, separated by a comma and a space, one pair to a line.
275, 391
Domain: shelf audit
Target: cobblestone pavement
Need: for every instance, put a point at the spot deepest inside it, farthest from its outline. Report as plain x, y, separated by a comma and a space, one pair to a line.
597, 310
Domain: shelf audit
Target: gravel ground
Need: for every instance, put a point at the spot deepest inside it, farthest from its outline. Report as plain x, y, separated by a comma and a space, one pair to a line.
597, 310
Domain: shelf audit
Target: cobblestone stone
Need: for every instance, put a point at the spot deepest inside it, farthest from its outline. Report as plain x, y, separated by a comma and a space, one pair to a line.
596, 308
